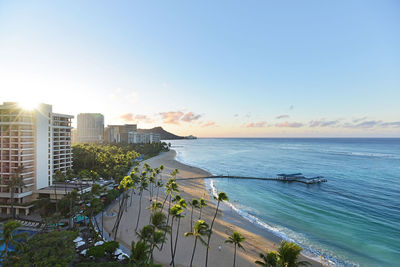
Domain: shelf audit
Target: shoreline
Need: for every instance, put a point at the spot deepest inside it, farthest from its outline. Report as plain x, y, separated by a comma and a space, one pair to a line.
221, 254
233, 217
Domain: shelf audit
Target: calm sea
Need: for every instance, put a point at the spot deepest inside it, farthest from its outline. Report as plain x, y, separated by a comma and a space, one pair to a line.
352, 220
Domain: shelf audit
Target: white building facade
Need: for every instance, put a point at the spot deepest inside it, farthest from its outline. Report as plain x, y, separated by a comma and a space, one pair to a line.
40, 141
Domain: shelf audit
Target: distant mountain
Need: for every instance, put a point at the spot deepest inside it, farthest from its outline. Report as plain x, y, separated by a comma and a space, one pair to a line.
164, 135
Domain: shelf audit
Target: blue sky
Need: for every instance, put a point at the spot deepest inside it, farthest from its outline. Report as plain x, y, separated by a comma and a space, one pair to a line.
210, 68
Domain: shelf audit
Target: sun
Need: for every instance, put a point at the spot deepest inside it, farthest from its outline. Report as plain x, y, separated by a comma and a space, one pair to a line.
27, 104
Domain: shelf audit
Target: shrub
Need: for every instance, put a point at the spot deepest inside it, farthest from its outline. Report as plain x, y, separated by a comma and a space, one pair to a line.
110, 247
97, 252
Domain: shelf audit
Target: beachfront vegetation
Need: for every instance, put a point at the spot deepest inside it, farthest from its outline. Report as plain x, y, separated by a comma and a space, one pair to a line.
107, 161
16, 181
200, 230
220, 197
236, 239
287, 256
55, 248
11, 237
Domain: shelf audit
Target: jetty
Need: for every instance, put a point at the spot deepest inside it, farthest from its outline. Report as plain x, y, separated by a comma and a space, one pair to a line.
288, 178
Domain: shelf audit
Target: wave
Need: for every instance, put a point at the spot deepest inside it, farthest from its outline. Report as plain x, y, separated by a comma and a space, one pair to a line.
311, 253
345, 153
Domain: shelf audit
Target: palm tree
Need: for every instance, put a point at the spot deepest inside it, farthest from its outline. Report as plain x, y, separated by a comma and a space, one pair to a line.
236, 238
159, 184
221, 197
171, 188
183, 204
142, 186
288, 254
175, 212
202, 205
9, 236
57, 177
159, 222
16, 181
200, 229
194, 204
139, 253
270, 259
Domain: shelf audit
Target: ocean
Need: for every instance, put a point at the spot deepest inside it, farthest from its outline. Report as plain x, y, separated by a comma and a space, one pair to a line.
351, 220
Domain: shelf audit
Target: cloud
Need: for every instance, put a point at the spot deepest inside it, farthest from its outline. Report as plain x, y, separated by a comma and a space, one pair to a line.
289, 124
129, 117
284, 116
208, 124
171, 117
323, 123
257, 124
363, 125
391, 124
359, 119
176, 117
190, 116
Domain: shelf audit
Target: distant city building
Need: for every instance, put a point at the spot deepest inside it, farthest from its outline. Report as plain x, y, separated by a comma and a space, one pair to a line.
128, 134
143, 138
119, 133
90, 128
39, 141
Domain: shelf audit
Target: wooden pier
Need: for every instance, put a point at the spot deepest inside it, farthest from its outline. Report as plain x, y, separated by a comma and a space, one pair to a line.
286, 179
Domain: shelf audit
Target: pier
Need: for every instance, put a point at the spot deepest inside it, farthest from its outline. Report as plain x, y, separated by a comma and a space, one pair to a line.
287, 178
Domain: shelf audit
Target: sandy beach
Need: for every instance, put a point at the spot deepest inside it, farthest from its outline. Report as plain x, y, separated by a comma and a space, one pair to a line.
227, 221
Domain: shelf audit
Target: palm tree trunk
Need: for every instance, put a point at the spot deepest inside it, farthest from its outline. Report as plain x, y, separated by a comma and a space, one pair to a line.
177, 235
158, 191
55, 195
191, 220
169, 206
5, 250
209, 236
12, 203
194, 249
165, 199
140, 209
234, 257
201, 209
172, 247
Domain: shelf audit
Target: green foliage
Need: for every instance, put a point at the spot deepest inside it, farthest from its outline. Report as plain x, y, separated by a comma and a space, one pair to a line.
287, 256
236, 238
110, 247
222, 196
270, 259
43, 205
111, 196
139, 253
55, 248
97, 252
107, 161
9, 236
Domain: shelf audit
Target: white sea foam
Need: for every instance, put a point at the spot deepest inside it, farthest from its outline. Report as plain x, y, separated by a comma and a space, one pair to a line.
309, 252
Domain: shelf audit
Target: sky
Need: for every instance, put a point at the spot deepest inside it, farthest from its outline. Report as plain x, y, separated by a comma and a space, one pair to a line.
210, 68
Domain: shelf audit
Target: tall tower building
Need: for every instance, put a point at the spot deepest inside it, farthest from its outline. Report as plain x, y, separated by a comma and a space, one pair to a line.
34, 144
90, 128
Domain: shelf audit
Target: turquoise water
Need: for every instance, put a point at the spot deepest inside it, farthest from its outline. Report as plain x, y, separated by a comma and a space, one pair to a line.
352, 220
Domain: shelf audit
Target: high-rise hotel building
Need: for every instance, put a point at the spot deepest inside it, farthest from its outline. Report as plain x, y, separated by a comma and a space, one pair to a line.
40, 141
90, 128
